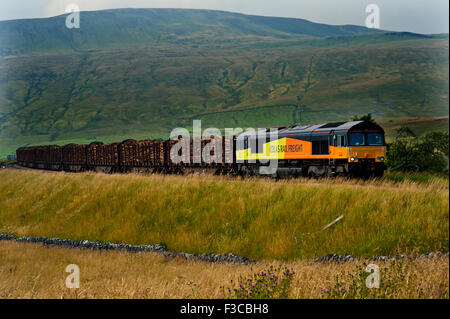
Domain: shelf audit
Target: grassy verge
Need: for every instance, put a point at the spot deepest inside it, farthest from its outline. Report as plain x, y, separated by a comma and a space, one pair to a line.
256, 218
34, 271
418, 178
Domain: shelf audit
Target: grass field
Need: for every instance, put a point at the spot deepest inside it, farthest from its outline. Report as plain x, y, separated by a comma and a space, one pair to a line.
255, 218
34, 271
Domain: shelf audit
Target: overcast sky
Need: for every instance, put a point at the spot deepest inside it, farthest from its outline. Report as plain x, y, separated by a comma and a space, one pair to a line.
421, 16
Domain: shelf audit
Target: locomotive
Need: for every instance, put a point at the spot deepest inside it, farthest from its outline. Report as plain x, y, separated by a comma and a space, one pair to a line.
354, 148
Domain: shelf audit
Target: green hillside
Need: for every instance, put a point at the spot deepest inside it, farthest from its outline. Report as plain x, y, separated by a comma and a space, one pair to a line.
142, 72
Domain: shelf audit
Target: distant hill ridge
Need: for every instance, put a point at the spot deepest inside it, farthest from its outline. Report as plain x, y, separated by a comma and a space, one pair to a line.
144, 27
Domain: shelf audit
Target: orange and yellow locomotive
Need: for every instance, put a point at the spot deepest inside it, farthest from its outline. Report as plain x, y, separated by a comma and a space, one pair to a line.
343, 148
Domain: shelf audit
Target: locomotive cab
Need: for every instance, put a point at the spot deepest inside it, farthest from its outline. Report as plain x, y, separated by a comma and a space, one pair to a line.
366, 148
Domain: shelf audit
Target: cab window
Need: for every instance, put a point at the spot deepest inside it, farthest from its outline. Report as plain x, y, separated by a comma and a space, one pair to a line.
375, 139
357, 139
340, 140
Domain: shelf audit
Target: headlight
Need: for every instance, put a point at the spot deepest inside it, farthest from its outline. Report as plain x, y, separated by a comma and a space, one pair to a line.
382, 158
352, 159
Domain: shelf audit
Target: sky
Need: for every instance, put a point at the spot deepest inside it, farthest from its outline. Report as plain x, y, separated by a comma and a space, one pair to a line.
420, 16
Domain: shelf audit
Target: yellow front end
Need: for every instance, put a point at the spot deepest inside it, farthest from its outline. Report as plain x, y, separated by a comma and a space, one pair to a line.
359, 153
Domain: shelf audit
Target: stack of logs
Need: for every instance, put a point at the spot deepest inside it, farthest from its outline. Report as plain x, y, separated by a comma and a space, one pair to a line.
131, 153
145, 153
26, 155
200, 156
99, 154
74, 154
49, 154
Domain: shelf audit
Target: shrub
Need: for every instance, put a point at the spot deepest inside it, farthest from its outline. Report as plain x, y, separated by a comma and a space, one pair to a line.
273, 283
411, 153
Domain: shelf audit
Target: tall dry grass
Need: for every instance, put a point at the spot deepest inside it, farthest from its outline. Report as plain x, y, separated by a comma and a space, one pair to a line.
34, 271
256, 218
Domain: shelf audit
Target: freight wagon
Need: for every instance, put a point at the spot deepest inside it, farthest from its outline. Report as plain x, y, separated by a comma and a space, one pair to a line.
74, 158
146, 156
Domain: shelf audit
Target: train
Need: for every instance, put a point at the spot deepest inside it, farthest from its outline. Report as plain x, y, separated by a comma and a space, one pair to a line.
355, 148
